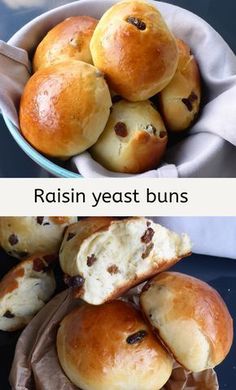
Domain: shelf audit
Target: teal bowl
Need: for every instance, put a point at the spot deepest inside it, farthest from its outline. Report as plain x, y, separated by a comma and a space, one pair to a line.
44, 162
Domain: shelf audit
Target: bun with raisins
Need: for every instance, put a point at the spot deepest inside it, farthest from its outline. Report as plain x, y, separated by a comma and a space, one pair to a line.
134, 139
22, 237
134, 48
111, 347
24, 290
105, 257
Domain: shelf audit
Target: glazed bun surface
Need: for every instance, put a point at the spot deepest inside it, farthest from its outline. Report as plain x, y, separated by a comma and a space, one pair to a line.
134, 139
22, 237
190, 317
134, 48
24, 290
68, 40
105, 266
64, 108
111, 347
180, 100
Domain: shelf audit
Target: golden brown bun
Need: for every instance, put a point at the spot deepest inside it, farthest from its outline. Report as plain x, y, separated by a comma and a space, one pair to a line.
24, 290
133, 46
68, 40
111, 347
64, 108
22, 237
180, 100
190, 317
134, 139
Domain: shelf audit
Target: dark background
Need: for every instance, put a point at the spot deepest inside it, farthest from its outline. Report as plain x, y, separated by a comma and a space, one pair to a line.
13, 161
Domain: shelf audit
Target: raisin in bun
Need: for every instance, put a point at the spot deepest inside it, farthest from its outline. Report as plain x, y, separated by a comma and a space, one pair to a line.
180, 100
103, 258
68, 40
24, 290
64, 108
133, 46
190, 317
134, 139
111, 347
24, 236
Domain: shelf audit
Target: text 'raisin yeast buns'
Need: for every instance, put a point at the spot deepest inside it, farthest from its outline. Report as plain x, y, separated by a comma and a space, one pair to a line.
190, 317
24, 236
64, 108
133, 46
24, 290
134, 139
105, 261
111, 347
68, 40
180, 100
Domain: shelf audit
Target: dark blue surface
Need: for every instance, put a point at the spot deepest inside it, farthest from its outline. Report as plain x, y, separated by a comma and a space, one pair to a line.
218, 272
13, 161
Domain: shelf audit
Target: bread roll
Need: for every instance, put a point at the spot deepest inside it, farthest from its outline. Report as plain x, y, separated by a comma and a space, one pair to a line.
180, 100
190, 317
103, 262
134, 139
24, 290
111, 347
22, 237
68, 40
133, 46
64, 108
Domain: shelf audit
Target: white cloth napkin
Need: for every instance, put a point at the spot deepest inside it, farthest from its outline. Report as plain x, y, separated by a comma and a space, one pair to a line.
209, 148
214, 236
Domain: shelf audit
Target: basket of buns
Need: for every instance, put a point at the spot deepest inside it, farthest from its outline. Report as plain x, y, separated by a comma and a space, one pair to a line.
123, 320
124, 88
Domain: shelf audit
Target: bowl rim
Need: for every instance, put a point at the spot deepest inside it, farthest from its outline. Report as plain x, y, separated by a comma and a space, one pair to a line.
37, 157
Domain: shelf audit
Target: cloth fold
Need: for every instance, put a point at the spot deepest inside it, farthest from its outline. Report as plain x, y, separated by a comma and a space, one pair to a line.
213, 137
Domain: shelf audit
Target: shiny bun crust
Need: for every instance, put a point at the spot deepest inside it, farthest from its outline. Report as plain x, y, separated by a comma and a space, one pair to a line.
22, 237
133, 46
134, 139
64, 108
111, 347
100, 267
24, 290
190, 317
180, 100
68, 40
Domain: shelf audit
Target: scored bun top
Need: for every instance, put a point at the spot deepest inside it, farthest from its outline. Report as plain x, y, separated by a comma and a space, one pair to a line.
69, 39
111, 347
64, 108
190, 317
133, 46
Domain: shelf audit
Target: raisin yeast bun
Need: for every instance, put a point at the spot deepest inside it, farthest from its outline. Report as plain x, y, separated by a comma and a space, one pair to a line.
24, 290
22, 237
180, 100
134, 48
134, 139
68, 40
190, 317
106, 257
111, 347
64, 108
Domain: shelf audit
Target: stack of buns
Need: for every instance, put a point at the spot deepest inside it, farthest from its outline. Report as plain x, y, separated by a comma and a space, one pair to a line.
134, 320
129, 54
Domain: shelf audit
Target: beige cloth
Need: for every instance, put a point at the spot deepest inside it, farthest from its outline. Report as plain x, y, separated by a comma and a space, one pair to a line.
36, 366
